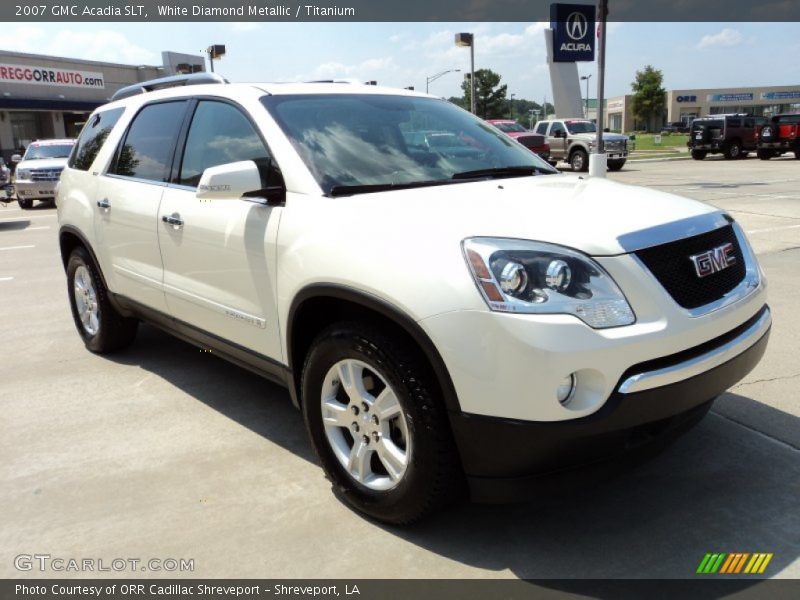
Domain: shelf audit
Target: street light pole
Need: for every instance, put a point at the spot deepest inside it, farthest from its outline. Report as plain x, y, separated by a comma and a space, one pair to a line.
587, 78
463, 40
511, 105
432, 78
598, 161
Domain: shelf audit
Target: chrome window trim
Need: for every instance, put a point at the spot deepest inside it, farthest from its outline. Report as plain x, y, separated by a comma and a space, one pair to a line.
700, 364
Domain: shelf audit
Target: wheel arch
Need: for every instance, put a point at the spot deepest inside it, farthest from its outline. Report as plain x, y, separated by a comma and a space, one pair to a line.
319, 305
69, 238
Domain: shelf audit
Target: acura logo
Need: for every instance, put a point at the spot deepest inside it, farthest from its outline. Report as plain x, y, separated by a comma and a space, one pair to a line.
714, 260
577, 26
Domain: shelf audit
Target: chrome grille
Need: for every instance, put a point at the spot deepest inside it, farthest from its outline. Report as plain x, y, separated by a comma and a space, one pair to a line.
46, 174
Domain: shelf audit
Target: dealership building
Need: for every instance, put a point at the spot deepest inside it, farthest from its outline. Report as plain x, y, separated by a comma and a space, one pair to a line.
50, 97
685, 105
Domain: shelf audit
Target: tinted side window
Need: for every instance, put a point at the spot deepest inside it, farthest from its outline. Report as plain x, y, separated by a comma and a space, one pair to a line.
221, 134
556, 127
93, 137
749, 123
146, 151
734, 122
541, 128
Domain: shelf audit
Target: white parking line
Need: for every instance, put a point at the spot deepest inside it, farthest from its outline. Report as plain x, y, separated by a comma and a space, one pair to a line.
24, 218
17, 247
770, 229
6, 278
35, 228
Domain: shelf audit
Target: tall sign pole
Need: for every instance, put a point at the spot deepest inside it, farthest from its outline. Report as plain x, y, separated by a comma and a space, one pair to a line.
598, 162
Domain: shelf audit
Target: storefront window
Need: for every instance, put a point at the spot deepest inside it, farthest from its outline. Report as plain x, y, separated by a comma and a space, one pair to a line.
27, 127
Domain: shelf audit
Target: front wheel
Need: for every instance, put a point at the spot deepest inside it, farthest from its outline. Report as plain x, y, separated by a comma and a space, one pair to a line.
764, 154
379, 425
579, 160
100, 326
733, 150
25, 203
615, 165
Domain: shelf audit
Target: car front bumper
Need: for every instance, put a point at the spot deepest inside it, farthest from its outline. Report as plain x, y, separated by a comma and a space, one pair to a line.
35, 189
653, 402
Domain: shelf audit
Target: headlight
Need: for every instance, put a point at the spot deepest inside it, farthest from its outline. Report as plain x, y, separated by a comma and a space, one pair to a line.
23, 174
518, 276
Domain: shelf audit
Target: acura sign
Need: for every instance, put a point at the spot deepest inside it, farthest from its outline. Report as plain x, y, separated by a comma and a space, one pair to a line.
573, 32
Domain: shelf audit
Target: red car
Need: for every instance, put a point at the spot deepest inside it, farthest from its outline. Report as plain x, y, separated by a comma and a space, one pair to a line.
532, 141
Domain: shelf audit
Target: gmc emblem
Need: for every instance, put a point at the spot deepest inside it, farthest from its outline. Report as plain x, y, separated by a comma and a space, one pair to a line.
714, 260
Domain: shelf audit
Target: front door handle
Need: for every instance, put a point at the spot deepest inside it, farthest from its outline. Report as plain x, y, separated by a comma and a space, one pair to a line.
104, 203
174, 219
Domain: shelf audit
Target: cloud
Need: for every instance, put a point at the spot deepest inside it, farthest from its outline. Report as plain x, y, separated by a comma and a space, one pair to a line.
372, 67
110, 46
245, 26
726, 37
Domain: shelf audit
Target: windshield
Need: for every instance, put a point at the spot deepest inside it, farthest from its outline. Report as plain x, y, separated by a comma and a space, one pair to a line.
49, 151
357, 140
510, 127
581, 127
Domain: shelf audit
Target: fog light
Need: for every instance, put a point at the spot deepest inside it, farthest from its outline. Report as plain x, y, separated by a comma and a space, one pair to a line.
566, 389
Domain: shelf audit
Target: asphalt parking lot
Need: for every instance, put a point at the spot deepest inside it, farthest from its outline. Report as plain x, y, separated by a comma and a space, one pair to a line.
163, 451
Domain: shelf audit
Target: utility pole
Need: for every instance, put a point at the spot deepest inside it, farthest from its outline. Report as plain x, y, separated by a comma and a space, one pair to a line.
598, 163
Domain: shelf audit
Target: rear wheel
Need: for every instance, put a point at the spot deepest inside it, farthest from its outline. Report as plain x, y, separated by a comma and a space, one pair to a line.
797, 154
25, 203
100, 326
378, 425
579, 160
699, 154
764, 154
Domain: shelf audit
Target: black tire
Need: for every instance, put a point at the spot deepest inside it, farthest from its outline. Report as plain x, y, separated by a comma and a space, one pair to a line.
797, 154
699, 154
764, 154
25, 203
579, 160
552, 163
732, 150
114, 331
433, 477
615, 165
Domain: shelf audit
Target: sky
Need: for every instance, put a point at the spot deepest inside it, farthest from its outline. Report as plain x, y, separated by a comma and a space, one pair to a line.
691, 55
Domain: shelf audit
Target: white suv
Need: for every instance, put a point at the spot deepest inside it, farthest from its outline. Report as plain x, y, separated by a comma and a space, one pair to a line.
37, 172
446, 318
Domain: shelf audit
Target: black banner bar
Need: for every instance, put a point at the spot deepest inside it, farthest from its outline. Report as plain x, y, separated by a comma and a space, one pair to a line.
379, 10
742, 587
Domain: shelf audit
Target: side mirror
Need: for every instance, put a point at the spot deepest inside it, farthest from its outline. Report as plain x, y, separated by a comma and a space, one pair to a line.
233, 181
15, 158
559, 134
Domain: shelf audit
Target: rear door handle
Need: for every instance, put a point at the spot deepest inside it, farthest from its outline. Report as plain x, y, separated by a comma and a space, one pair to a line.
174, 219
104, 203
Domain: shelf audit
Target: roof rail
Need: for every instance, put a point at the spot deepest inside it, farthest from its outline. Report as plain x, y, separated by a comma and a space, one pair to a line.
167, 82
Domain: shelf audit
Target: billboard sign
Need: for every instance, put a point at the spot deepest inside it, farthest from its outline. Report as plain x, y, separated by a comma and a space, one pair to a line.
36, 75
573, 28
743, 97
788, 95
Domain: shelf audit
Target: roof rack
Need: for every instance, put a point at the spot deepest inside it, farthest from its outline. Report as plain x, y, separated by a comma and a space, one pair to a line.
167, 82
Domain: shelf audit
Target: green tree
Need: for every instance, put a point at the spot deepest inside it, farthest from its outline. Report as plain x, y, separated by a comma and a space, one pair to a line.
490, 96
648, 101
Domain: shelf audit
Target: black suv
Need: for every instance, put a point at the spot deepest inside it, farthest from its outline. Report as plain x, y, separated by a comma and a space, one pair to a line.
731, 135
781, 134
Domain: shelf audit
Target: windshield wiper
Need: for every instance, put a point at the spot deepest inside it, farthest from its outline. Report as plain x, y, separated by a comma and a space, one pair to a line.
349, 190
498, 172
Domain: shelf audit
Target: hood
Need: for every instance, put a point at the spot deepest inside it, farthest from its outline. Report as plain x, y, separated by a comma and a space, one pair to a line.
586, 214
43, 163
607, 137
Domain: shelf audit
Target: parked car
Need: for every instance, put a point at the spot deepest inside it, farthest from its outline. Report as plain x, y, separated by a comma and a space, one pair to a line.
676, 127
781, 134
38, 171
572, 140
443, 320
534, 142
730, 135
5, 172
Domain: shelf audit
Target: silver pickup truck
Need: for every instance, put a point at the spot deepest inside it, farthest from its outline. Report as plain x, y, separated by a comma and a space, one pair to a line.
572, 140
